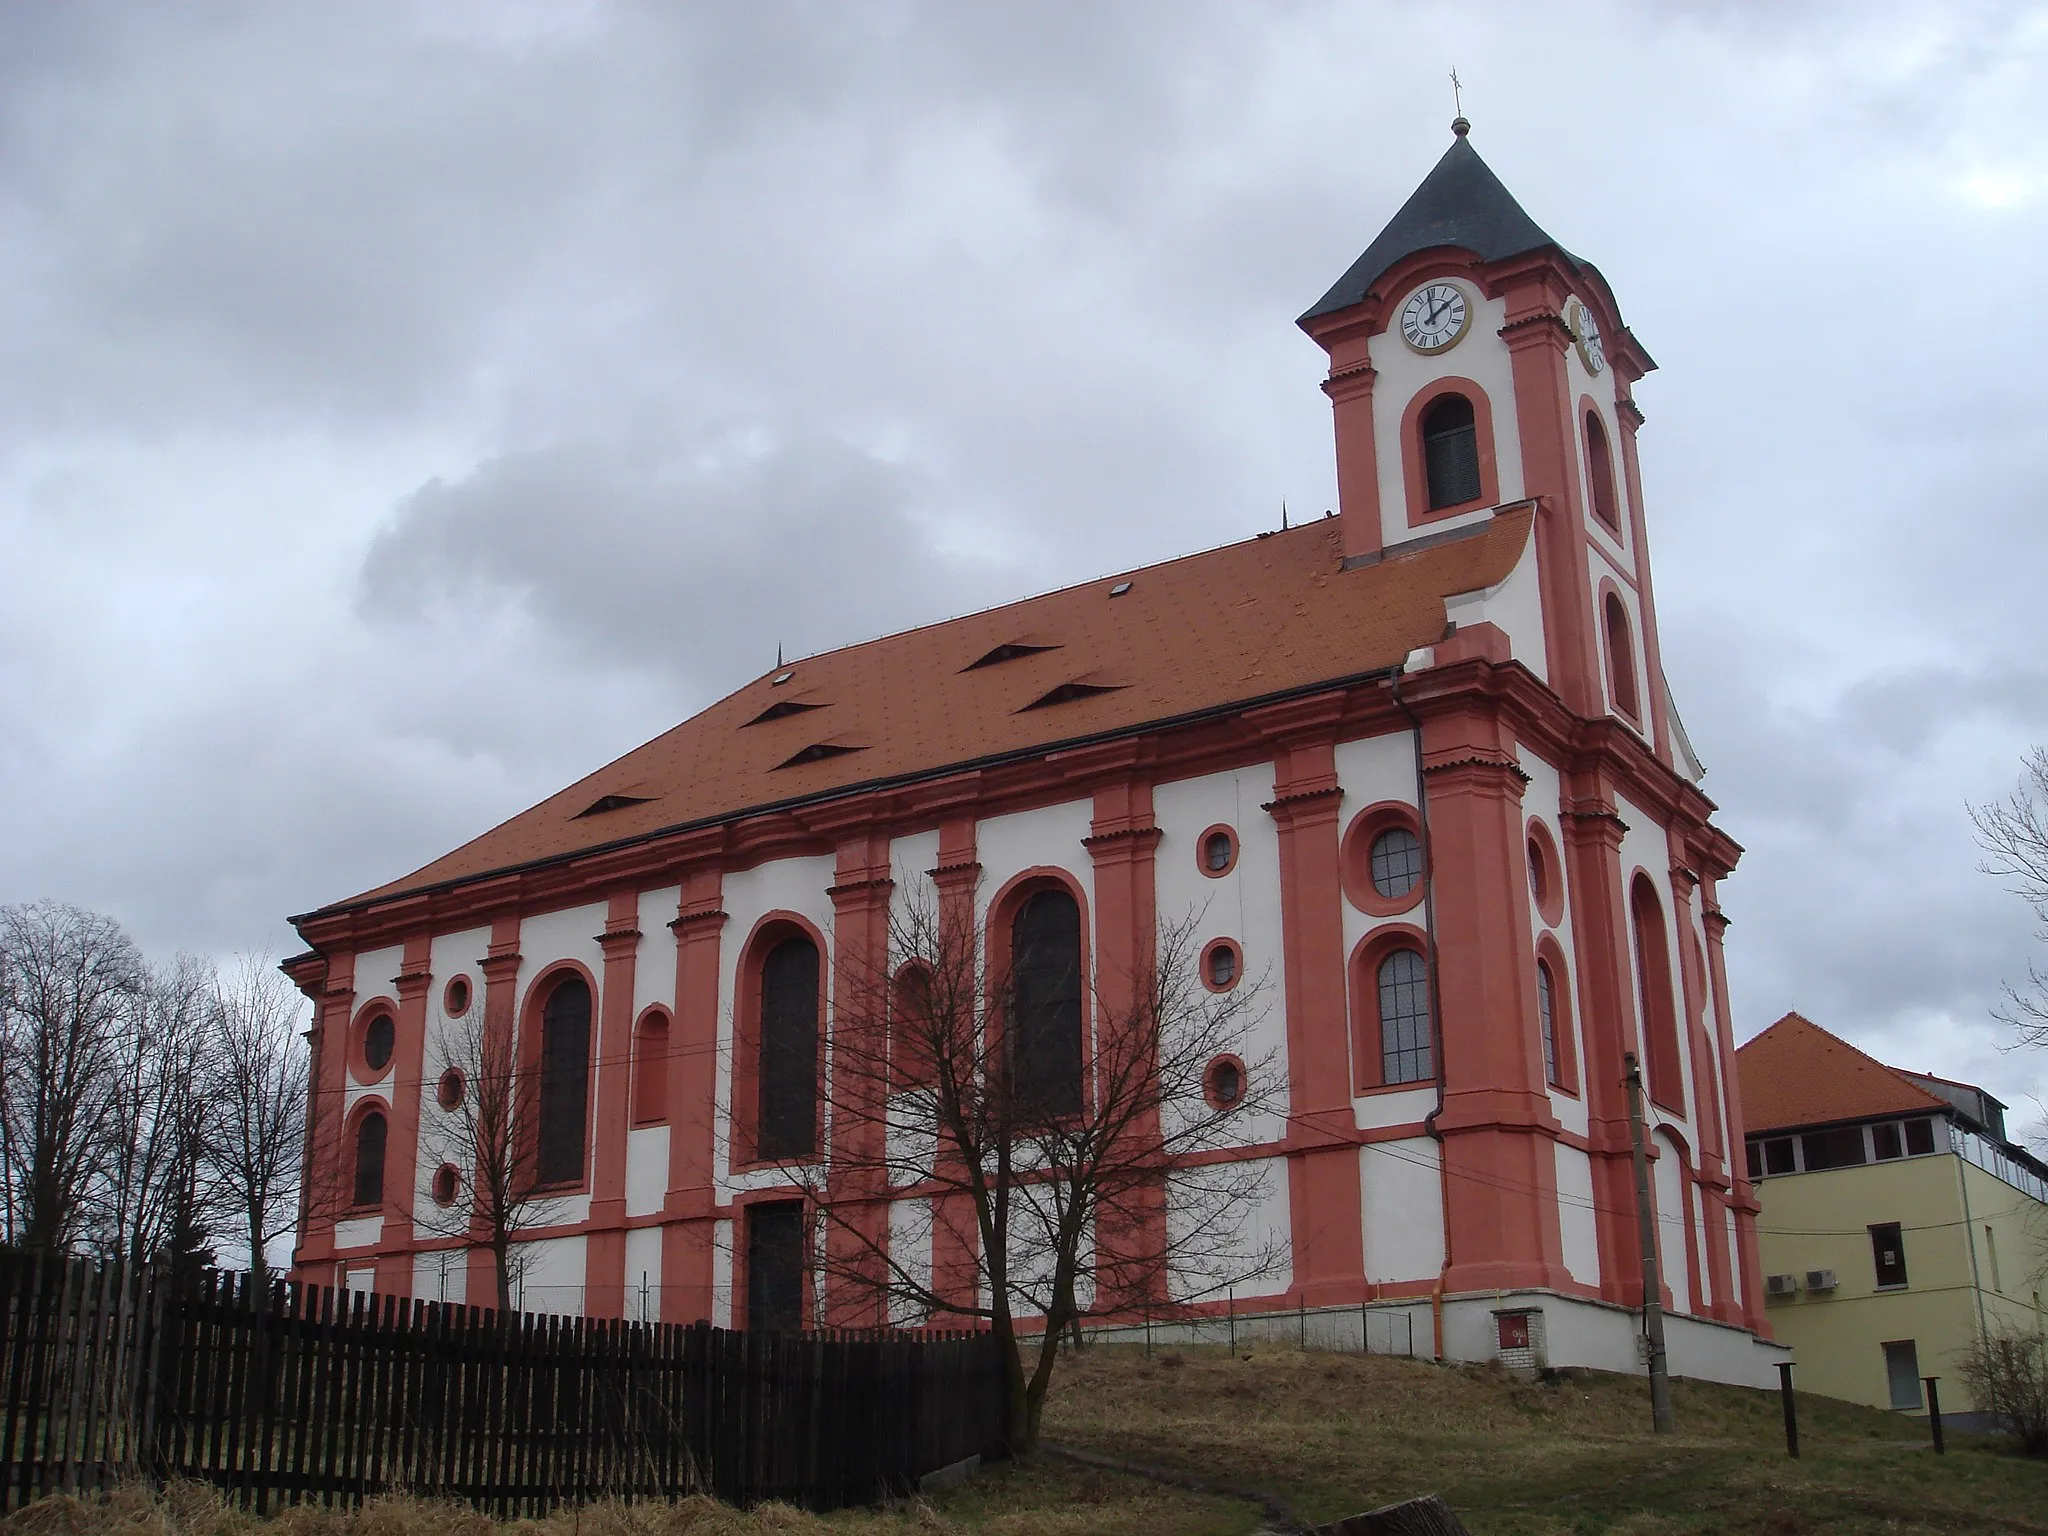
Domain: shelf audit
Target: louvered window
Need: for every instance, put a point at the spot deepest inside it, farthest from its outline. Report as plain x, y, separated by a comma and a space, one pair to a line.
788, 1073
564, 1082
1405, 1055
1045, 962
370, 1135
1450, 452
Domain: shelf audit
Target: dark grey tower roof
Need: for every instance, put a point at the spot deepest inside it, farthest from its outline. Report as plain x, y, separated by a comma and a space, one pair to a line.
1460, 203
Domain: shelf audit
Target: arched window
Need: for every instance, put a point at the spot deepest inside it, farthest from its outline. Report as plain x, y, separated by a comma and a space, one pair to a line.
1546, 1017
1450, 452
371, 1131
1600, 472
912, 1052
787, 1123
1045, 962
650, 1069
1405, 1054
1621, 658
564, 1082
1653, 982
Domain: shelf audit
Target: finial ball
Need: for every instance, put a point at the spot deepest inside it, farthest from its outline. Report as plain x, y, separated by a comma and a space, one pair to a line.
1460, 126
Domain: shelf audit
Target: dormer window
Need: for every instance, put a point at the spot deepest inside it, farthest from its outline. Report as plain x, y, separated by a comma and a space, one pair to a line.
1450, 452
1600, 473
1013, 650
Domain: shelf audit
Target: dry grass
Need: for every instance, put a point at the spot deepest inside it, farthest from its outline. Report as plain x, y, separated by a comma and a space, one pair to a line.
1333, 1434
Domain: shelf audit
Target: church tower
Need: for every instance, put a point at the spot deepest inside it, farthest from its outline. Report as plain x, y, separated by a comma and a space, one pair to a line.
1475, 363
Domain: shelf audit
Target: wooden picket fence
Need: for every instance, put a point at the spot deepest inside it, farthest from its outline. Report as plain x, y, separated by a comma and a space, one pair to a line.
307, 1394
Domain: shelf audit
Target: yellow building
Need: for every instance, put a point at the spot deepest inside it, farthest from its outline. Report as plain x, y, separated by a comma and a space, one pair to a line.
1898, 1223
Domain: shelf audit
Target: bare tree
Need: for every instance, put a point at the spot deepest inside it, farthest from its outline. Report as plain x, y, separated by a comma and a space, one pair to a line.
476, 1117
153, 1197
71, 988
2007, 1373
256, 1091
2013, 833
972, 1177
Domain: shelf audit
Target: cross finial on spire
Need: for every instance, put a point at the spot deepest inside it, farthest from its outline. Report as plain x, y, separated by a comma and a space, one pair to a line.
1459, 125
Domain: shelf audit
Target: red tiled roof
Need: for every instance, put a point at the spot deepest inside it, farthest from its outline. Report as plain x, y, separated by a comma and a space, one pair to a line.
1229, 625
1796, 1073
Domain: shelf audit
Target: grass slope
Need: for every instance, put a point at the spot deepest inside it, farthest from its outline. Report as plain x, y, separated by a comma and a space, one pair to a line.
1332, 1434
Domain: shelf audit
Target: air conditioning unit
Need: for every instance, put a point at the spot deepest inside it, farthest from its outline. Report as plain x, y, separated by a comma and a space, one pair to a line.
1820, 1279
1781, 1285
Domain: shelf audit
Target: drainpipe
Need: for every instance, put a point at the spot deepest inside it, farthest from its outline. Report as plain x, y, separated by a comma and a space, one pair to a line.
1436, 1018
1969, 1227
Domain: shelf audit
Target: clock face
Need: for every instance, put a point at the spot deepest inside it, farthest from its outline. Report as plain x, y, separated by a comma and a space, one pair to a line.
1586, 331
1436, 316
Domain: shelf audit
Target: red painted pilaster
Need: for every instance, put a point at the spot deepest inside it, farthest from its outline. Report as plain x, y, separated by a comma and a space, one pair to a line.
862, 885
1497, 1129
1742, 1198
687, 1219
1325, 1213
1536, 338
604, 1278
331, 986
413, 982
1600, 938
956, 1241
1123, 841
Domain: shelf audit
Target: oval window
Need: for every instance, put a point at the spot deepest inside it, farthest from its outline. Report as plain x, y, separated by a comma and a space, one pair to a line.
1226, 1082
378, 1037
1217, 849
447, 1184
448, 1092
455, 1002
1222, 966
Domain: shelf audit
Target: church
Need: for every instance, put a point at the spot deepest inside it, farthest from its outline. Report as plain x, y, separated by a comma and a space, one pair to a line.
1414, 764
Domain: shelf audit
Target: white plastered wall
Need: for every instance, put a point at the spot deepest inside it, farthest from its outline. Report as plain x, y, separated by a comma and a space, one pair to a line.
654, 984
1248, 1256
544, 942
1674, 1221
1481, 357
1371, 770
643, 1273
798, 885
721, 1274
1243, 905
449, 955
1401, 1190
1576, 1223
1514, 606
1598, 568
374, 971
441, 1274
1051, 835
551, 1277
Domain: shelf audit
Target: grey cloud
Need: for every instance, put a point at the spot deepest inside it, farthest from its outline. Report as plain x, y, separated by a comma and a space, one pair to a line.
693, 564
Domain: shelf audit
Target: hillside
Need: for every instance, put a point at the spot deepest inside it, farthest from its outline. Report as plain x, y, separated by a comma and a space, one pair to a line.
1331, 1435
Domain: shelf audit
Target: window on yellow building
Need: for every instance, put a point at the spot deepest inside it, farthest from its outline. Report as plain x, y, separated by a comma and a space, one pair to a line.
1888, 1254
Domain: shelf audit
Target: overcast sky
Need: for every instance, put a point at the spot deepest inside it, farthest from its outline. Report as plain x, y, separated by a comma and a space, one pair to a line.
406, 409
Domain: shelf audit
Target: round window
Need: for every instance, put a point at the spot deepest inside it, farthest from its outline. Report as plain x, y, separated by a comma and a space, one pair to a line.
1217, 849
447, 1184
378, 1036
455, 1001
1222, 964
1226, 1082
448, 1092
1396, 862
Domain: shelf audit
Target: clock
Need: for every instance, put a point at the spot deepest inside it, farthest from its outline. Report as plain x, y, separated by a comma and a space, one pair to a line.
1586, 332
1436, 317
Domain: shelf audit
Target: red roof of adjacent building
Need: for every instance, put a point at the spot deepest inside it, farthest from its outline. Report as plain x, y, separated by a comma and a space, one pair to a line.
1228, 626
1795, 1073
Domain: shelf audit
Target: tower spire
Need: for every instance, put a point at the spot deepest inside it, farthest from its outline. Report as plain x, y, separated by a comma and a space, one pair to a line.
1460, 125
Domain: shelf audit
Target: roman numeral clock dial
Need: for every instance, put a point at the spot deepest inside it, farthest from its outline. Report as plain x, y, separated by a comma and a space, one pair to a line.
1436, 317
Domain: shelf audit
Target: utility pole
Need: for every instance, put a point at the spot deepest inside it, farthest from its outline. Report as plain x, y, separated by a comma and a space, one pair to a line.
1646, 1229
